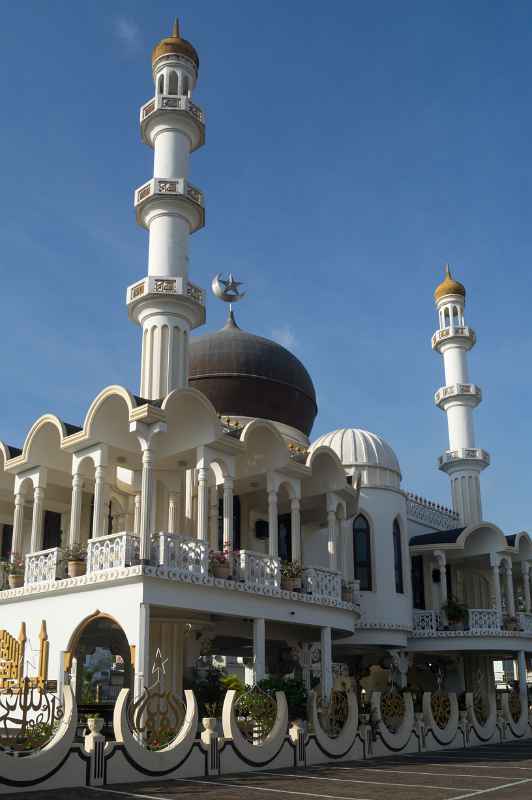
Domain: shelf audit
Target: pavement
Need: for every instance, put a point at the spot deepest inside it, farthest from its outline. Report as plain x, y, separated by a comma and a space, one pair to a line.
498, 772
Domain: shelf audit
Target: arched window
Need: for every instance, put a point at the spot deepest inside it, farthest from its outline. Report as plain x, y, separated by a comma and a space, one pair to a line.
172, 83
184, 85
362, 552
161, 84
398, 558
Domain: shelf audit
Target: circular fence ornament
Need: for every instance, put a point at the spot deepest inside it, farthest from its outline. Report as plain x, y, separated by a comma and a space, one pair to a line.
392, 709
255, 714
333, 714
440, 704
29, 716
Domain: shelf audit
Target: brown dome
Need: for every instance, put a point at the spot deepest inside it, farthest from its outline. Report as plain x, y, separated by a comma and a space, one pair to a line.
249, 376
448, 286
175, 44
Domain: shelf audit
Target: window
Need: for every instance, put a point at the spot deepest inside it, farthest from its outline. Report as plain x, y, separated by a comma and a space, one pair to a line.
172, 83
362, 552
418, 582
398, 558
52, 530
7, 538
284, 536
161, 84
184, 85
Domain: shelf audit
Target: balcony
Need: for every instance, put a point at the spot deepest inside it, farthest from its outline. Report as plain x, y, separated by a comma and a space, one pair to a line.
468, 392
161, 106
465, 454
480, 622
461, 334
181, 558
187, 197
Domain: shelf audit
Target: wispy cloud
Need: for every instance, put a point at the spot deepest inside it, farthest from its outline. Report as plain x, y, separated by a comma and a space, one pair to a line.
128, 33
285, 336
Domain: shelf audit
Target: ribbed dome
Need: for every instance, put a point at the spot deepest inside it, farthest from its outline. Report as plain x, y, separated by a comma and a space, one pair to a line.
449, 286
249, 376
366, 453
174, 44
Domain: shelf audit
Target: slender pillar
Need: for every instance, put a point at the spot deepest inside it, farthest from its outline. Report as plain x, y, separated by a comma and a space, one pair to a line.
509, 587
228, 513
525, 570
213, 518
18, 526
75, 510
259, 649
273, 523
142, 675
332, 524
295, 513
203, 504
99, 521
136, 519
37, 521
148, 486
173, 512
523, 691
189, 501
326, 664
441, 562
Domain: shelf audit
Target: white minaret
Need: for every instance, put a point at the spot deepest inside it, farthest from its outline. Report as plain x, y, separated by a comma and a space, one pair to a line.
165, 303
463, 461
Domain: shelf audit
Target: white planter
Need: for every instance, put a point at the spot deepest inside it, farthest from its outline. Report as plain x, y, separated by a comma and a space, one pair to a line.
95, 724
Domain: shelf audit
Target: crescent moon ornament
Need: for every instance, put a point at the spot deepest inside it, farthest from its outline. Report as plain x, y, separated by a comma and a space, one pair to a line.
227, 290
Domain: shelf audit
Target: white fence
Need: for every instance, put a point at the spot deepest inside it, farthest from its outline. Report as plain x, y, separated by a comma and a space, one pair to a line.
180, 552
44, 566
258, 569
109, 552
322, 582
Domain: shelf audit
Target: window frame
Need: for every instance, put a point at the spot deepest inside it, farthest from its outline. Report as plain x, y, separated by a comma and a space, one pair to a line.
366, 565
398, 560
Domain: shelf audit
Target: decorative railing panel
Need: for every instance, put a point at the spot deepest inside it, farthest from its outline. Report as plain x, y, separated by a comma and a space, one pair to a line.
322, 582
426, 622
430, 513
3, 577
484, 619
44, 566
525, 621
258, 568
109, 552
180, 552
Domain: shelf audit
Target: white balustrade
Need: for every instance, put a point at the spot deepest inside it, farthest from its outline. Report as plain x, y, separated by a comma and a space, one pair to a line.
109, 552
322, 582
484, 619
44, 566
258, 569
525, 621
181, 552
426, 622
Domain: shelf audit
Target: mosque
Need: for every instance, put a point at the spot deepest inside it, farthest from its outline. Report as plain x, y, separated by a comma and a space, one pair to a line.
198, 517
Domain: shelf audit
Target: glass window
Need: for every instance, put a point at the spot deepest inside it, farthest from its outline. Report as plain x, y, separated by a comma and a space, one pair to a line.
398, 558
362, 552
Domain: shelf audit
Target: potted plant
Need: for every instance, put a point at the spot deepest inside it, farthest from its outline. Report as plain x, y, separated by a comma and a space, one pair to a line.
15, 571
510, 623
75, 557
291, 572
219, 564
456, 613
347, 591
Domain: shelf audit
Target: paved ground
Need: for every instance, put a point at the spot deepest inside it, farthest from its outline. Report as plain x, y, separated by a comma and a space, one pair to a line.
501, 772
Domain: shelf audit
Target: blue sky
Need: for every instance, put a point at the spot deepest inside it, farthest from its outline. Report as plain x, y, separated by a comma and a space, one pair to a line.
352, 148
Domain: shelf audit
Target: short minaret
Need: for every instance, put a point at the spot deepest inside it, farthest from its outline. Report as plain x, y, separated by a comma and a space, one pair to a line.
165, 303
463, 461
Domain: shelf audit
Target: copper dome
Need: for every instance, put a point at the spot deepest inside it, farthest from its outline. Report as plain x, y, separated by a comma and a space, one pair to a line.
249, 376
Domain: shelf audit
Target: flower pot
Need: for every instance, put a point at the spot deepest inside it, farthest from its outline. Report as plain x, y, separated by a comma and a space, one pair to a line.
210, 724
76, 568
15, 581
347, 596
290, 584
221, 571
95, 724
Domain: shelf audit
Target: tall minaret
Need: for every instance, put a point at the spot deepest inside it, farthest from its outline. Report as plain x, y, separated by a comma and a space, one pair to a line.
463, 461
165, 303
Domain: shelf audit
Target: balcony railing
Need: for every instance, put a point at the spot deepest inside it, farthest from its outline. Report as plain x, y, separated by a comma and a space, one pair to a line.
44, 566
110, 552
258, 569
3, 577
322, 582
182, 553
525, 621
479, 621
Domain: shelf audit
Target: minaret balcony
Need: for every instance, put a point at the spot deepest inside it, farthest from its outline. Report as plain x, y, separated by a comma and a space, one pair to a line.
174, 192
176, 111
467, 393
461, 335
464, 457
168, 288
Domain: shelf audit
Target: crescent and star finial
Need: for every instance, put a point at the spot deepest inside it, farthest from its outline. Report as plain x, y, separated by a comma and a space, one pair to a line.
227, 290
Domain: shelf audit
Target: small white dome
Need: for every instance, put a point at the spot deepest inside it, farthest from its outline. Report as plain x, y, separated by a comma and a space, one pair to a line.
365, 453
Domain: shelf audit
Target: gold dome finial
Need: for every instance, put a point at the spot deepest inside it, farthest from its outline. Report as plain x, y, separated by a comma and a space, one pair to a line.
449, 286
175, 45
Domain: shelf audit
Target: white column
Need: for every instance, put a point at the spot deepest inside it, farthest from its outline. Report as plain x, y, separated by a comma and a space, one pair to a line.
173, 512
37, 521
509, 586
142, 673
213, 518
75, 510
295, 514
203, 503
326, 664
332, 542
441, 562
525, 570
189, 501
259, 649
523, 691
18, 526
136, 519
273, 523
228, 513
495, 569
148, 486
100, 498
